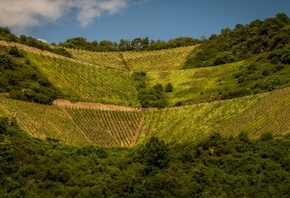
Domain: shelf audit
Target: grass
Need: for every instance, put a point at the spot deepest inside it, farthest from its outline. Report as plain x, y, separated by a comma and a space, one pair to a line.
195, 85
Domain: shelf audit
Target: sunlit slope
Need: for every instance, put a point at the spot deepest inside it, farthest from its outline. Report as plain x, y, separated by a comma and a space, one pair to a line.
43, 121
267, 112
159, 60
87, 83
192, 123
136, 60
110, 60
108, 128
195, 85
75, 126
271, 114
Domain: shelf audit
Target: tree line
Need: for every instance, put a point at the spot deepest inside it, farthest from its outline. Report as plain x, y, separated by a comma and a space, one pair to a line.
218, 166
127, 45
243, 41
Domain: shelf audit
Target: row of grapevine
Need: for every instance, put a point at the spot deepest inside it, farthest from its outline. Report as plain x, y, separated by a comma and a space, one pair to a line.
87, 83
108, 128
271, 114
110, 60
76, 126
136, 61
192, 123
157, 60
42, 121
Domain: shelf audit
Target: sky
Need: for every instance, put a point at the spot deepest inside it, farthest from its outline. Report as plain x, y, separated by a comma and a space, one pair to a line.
55, 21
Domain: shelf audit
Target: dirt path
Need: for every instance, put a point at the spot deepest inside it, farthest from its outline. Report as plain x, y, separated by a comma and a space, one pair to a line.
91, 105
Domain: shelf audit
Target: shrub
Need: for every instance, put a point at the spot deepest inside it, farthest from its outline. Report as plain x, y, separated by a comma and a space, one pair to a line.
169, 87
14, 51
266, 136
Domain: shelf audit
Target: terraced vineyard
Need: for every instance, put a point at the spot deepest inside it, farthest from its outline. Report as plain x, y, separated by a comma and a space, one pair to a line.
108, 128
42, 121
88, 83
157, 60
136, 61
267, 112
271, 114
110, 60
192, 123
76, 126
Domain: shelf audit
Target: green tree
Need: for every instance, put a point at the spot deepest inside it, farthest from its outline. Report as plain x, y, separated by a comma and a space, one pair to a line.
169, 87
154, 154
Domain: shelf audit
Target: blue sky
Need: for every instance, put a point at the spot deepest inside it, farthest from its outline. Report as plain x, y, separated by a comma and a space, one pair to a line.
56, 21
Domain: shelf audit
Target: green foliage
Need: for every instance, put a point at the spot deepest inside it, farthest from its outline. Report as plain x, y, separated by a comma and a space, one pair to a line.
243, 41
15, 52
169, 87
3, 125
218, 166
127, 45
154, 154
24, 81
153, 97
266, 136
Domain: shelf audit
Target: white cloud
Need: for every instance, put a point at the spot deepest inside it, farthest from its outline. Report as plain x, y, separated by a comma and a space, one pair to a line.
43, 40
21, 14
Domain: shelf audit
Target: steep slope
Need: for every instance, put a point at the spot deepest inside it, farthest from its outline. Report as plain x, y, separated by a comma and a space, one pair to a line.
75, 126
136, 60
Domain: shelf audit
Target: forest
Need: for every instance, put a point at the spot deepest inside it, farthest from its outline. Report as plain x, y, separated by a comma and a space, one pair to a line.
217, 166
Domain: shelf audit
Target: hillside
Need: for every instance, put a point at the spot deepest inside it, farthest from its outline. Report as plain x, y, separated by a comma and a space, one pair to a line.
185, 92
204, 120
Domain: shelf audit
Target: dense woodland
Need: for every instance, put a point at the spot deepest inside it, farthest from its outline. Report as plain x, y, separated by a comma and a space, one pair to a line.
215, 167
245, 41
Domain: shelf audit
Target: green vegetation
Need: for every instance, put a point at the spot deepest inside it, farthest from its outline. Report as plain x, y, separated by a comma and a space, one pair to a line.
137, 44
217, 166
22, 80
242, 42
136, 60
75, 126
78, 81
218, 131
7, 35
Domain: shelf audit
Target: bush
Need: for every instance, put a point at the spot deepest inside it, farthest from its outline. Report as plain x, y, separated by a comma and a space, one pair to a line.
14, 51
3, 125
154, 154
169, 87
266, 136
223, 58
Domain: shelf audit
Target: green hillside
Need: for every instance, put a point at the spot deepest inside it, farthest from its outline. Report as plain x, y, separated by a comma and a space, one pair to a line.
212, 84
75, 126
199, 118
159, 60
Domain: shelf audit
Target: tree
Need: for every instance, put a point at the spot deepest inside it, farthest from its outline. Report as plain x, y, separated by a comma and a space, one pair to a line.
3, 125
169, 87
154, 154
